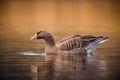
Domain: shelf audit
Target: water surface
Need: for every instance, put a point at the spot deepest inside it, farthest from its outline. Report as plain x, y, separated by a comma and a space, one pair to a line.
22, 59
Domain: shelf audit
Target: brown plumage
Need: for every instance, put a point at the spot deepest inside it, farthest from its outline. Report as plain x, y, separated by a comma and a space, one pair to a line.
73, 44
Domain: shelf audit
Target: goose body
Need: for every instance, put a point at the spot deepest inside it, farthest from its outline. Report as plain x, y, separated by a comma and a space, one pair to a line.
74, 44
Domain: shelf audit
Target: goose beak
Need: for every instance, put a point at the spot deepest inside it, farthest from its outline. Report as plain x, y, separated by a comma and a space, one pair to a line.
34, 37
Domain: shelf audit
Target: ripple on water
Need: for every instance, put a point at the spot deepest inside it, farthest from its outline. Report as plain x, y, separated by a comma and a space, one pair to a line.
32, 53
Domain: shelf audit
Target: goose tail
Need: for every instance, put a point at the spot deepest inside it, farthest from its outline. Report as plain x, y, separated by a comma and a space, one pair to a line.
95, 43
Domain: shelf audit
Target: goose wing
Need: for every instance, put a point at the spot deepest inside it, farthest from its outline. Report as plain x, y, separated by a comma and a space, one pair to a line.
74, 42
68, 38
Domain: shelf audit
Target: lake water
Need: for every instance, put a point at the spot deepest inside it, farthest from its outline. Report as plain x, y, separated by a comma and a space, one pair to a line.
22, 59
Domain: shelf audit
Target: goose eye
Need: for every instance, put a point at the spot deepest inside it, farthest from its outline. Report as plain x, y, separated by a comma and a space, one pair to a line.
38, 33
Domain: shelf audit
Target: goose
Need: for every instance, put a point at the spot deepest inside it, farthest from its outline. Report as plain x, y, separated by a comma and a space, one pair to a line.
75, 44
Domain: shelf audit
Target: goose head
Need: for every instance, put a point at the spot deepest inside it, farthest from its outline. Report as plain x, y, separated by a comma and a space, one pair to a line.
44, 35
40, 35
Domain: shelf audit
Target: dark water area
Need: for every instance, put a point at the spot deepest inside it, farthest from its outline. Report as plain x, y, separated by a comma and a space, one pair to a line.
22, 59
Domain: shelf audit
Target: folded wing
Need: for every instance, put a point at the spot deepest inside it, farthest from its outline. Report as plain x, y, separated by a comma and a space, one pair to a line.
74, 42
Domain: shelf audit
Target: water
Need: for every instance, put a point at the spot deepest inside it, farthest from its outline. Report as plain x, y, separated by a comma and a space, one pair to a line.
22, 59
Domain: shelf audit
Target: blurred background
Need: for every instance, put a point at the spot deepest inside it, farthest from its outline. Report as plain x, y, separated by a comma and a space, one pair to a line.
18, 17
22, 18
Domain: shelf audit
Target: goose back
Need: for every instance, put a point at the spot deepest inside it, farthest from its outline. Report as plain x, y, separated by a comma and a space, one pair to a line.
74, 42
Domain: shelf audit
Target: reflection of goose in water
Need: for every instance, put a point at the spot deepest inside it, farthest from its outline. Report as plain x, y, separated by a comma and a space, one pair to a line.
34, 70
75, 67
72, 44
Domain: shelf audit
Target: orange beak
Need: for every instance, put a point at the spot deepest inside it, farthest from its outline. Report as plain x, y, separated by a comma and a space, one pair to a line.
34, 37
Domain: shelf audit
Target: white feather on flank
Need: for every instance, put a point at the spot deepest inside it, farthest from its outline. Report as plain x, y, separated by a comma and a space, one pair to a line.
104, 41
92, 46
